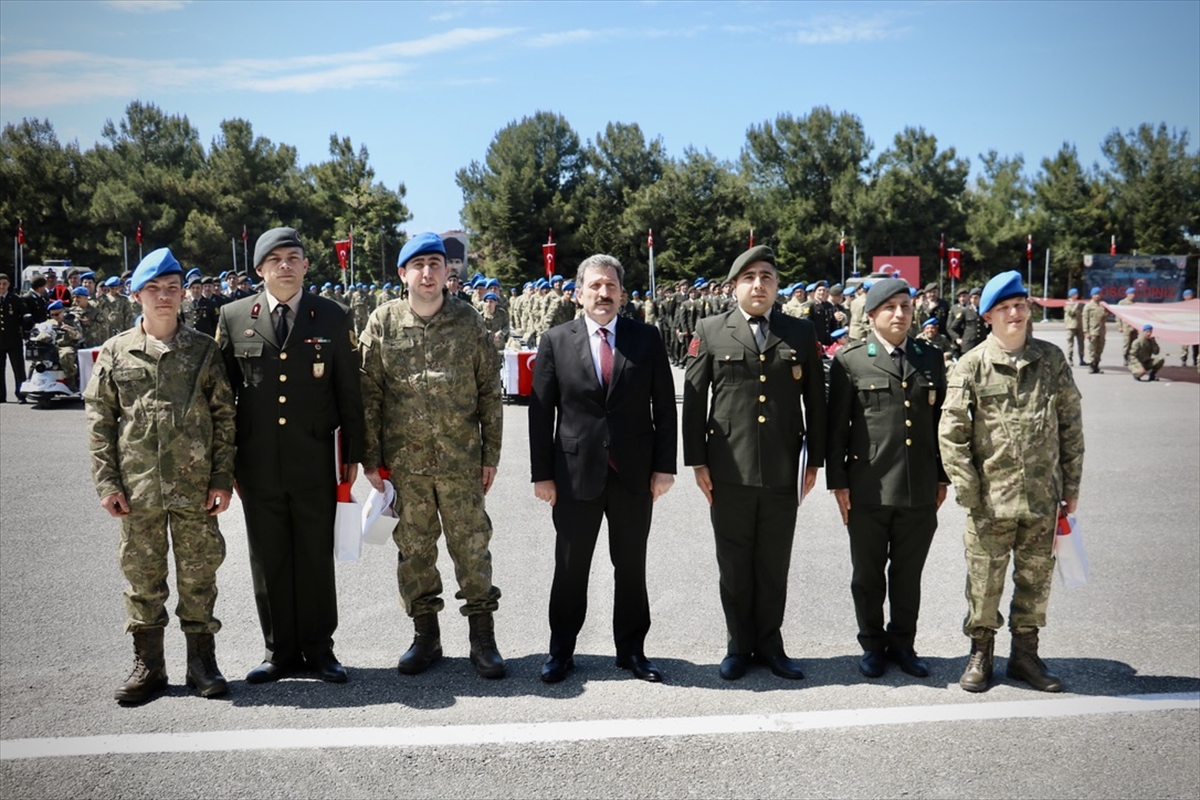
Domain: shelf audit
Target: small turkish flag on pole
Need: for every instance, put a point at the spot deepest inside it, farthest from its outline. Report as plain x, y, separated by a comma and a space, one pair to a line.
342, 248
1029, 247
1112, 248
955, 269
548, 254
245, 236
842, 244
942, 248
20, 232
138, 237
752, 237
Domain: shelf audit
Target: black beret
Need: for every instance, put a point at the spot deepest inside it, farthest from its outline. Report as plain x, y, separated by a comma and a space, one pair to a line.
454, 248
884, 290
4, 277
276, 237
751, 256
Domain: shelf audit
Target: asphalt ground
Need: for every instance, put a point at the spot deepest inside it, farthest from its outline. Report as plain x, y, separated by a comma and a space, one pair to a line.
1133, 632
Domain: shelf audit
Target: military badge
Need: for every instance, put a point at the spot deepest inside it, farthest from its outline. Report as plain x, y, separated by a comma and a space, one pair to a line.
932, 396
797, 371
871, 349
318, 369
694, 346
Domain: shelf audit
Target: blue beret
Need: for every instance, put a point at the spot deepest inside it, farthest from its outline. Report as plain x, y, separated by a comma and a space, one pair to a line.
113, 281
492, 282
635, 293
223, 274
156, 264
1095, 291
570, 285
1147, 327
913, 291
328, 285
839, 333
868, 284
930, 321
276, 237
850, 291
822, 283
192, 271
883, 290
82, 291
55, 306
787, 291
312, 288
540, 283
87, 276
811, 287
1002, 287
491, 296
556, 279
1188, 293
1072, 292
372, 287
1131, 290
478, 276
337, 287
528, 285
420, 245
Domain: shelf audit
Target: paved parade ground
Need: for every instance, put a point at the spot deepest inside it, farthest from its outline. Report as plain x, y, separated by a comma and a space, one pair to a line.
1127, 646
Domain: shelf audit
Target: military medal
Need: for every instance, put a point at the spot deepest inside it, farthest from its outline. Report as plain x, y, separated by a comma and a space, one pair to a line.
797, 371
318, 369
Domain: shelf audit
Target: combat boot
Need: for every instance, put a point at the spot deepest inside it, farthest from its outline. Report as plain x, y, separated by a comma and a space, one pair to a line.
484, 654
978, 674
426, 647
1025, 665
202, 672
149, 674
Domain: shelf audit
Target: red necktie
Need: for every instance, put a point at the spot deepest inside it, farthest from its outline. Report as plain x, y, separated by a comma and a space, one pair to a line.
606, 358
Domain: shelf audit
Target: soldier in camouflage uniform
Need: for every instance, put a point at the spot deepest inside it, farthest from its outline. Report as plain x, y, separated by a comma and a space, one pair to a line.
1128, 332
161, 432
66, 337
1011, 439
1143, 355
118, 311
1095, 328
930, 334
431, 389
495, 319
88, 318
860, 326
1073, 322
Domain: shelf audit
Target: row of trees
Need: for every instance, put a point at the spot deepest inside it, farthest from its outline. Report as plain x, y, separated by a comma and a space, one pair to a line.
151, 172
799, 183
803, 181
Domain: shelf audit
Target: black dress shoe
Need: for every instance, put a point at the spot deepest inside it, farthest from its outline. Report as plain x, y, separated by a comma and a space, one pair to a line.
328, 668
269, 671
908, 661
872, 664
556, 669
642, 668
733, 666
782, 667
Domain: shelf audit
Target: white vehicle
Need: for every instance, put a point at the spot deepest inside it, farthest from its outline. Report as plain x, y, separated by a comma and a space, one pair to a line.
47, 382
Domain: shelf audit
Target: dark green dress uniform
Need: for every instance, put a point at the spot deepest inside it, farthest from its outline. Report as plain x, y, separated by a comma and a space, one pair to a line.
290, 400
765, 406
883, 447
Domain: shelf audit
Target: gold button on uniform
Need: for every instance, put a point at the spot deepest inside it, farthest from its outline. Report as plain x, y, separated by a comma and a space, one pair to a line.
283, 420
762, 419
907, 404
762, 378
283, 378
762, 356
282, 399
283, 356
908, 442
903, 384
908, 423
762, 398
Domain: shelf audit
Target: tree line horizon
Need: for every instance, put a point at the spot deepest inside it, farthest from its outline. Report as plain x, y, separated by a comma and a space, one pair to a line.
800, 182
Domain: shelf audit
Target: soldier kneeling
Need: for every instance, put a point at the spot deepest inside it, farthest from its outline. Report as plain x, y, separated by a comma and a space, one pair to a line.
161, 431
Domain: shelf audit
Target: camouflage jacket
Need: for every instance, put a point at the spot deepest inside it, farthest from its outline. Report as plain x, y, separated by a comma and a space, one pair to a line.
1143, 350
1094, 318
431, 391
1073, 316
1011, 434
161, 428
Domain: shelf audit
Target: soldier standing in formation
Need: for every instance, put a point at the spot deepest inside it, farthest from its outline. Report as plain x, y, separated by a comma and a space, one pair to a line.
161, 433
883, 467
966, 328
1073, 322
431, 387
1144, 359
1012, 443
12, 343
1128, 332
1188, 294
767, 383
1095, 318
495, 320
292, 360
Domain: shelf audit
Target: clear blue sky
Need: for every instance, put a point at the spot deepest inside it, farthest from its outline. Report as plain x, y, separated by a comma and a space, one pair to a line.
426, 85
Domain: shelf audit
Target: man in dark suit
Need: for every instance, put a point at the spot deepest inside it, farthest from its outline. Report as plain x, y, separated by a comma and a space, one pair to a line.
293, 362
602, 440
12, 340
768, 401
882, 464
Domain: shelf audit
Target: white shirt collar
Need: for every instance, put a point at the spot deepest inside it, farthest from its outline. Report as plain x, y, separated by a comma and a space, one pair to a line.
293, 304
593, 326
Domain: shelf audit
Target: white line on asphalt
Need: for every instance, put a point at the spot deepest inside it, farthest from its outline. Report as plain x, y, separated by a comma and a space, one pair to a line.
583, 730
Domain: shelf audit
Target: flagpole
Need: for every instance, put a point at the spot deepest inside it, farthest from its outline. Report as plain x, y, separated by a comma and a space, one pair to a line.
351, 258
854, 260
125, 247
17, 261
653, 288
245, 255
842, 250
233, 250
1046, 283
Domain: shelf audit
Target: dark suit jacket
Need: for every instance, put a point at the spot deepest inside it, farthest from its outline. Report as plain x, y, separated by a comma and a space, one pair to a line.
574, 425
764, 405
883, 426
291, 399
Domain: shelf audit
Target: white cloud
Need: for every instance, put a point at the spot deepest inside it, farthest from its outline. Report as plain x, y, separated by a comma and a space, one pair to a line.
577, 35
146, 6
845, 30
38, 78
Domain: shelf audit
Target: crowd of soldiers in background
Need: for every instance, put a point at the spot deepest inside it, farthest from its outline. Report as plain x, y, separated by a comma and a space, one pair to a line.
85, 312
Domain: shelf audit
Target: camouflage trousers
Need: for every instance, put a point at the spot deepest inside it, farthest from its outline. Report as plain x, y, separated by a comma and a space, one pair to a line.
988, 543
69, 361
1074, 337
1152, 364
1095, 349
427, 507
1130, 336
199, 550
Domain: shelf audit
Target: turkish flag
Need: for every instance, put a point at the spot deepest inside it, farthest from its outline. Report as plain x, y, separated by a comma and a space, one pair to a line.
548, 255
20, 232
342, 248
1112, 248
955, 270
245, 237
1029, 248
942, 248
138, 236
842, 244
650, 238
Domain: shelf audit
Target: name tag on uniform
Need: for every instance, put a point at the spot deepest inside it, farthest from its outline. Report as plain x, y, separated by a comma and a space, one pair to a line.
318, 369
